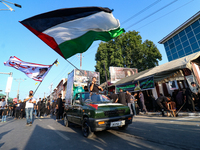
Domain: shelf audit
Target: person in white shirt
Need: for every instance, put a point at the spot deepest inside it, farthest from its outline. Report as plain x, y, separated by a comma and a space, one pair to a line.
30, 100
2, 105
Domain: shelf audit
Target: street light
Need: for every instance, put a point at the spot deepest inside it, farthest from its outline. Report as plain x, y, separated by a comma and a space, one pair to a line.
18, 80
9, 8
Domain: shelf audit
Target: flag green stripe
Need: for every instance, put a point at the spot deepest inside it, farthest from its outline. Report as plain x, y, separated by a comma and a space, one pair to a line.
81, 44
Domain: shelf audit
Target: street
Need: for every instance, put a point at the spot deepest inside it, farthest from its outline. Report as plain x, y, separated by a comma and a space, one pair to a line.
146, 132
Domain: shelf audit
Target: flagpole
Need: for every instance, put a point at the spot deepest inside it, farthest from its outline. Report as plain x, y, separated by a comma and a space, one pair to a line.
42, 80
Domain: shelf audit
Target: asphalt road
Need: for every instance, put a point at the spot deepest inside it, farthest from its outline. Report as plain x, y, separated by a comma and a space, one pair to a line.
146, 132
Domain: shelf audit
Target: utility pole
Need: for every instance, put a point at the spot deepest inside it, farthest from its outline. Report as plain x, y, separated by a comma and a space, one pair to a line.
19, 80
80, 60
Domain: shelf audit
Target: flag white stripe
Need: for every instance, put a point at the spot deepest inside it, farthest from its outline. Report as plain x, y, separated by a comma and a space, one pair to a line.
101, 21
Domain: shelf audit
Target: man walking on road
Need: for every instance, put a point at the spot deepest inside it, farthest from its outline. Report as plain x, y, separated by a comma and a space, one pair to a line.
29, 108
59, 105
142, 105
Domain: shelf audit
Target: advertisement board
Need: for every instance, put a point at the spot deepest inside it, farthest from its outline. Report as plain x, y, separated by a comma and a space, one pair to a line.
139, 85
118, 73
9, 84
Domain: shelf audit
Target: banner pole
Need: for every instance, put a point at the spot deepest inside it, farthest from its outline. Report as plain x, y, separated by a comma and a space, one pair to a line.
42, 80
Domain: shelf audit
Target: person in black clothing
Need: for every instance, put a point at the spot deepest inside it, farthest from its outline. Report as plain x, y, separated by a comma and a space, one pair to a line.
18, 109
39, 107
162, 103
42, 108
114, 96
121, 98
94, 87
189, 96
22, 115
59, 105
48, 108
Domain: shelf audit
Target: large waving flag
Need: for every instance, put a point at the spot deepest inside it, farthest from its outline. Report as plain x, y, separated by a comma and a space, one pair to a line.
34, 71
73, 30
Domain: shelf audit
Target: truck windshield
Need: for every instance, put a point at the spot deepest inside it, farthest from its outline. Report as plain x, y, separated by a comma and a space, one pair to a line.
94, 98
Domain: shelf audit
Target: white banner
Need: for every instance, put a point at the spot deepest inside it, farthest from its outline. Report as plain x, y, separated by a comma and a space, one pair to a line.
34, 71
9, 84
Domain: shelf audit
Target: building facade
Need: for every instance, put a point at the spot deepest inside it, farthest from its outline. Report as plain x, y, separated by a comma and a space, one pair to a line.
184, 40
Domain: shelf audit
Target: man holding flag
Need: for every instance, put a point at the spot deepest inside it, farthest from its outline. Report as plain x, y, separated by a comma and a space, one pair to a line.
30, 100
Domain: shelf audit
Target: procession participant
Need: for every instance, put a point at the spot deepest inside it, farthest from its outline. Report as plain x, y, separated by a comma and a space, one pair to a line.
142, 105
39, 107
95, 87
121, 97
129, 103
2, 105
18, 109
133, 101
189, 96
114, 96
30, 100
59, 105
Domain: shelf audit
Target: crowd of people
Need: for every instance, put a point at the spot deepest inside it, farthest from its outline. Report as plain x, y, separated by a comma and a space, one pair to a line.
29, 108
183, 99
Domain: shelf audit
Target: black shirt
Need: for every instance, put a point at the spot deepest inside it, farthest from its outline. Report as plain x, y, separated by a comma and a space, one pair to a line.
122, 98
114, 97
95, 88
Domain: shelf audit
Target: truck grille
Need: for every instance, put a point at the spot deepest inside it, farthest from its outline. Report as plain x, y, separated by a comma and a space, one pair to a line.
114, 112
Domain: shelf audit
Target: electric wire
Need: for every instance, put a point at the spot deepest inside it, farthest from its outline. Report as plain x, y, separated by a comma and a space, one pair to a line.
165, 15
152, 14
141, 11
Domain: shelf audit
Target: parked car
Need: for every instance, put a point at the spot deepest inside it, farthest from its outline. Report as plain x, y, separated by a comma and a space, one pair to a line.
95, 112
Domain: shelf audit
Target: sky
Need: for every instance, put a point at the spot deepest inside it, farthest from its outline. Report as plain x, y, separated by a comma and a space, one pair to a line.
153, 19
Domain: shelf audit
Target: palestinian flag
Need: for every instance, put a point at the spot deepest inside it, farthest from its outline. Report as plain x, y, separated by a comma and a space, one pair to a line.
73, 30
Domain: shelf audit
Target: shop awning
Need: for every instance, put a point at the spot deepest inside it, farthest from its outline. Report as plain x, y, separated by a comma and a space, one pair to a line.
165, 70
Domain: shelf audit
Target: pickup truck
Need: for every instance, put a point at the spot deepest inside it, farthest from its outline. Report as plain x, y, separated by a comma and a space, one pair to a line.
96, 112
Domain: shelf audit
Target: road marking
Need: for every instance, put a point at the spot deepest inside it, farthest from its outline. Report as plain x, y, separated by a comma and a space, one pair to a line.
62, 135
186, 118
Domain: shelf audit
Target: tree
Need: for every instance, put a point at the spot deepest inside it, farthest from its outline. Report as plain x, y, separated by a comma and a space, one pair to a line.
126, 50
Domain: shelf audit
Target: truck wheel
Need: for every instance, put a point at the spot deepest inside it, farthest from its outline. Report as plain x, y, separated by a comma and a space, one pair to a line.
86, 129
66, 122
123, 127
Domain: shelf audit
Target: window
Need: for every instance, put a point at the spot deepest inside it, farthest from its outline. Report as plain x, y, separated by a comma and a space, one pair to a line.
196, 50
195, 24
185, 44
175, 56
170, 41
171, 46
197, 30
198, 37
188, 29
170, 58
177, 42
188, 50
190, 34
167, 48
176, 37
184, 38
182, 33
194, 46
173, 50
168, 53
181, 53
192, 40
179, 47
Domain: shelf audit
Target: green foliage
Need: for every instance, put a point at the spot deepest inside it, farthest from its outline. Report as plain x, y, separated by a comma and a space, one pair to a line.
126, 50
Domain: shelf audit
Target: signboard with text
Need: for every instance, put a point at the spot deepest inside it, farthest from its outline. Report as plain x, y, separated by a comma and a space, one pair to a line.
142, 84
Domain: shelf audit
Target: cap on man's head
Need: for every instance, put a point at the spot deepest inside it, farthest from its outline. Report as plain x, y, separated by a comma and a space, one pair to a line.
193, 83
